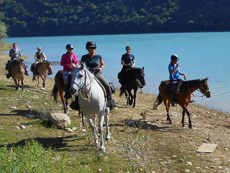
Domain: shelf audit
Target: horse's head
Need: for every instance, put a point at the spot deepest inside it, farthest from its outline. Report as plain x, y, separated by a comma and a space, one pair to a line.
78, 79
204, 88
49, 67
141, 76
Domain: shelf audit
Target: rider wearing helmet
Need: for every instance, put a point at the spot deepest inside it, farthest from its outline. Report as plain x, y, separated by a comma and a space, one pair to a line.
127, 61
95, 64
174, 76
67, 60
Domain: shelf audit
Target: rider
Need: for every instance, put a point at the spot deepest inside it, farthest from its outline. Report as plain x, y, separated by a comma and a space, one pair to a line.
67, 60
13, 54
128, 61
95, 64
39, 57
174, 76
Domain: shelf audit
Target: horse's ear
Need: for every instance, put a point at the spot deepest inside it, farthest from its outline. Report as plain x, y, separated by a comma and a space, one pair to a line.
143, 68
206, 78
82, 65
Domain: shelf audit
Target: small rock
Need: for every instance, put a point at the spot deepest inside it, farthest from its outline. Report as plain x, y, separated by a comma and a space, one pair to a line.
189, 163
14, 107
187, 170
18, 127
28, 106
181, 160
22, 127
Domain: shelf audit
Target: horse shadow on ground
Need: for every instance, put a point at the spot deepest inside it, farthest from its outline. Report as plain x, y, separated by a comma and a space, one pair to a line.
54, 143
33, 114
13, 86
143, 124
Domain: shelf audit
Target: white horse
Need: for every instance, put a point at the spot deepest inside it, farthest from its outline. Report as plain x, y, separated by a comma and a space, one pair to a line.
92, 101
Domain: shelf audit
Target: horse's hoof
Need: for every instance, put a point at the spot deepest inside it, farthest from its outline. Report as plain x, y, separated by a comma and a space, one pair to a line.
190, 126
102, 149
134, 106
108, 138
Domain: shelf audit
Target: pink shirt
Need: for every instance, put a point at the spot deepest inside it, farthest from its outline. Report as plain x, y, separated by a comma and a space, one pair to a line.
68, 59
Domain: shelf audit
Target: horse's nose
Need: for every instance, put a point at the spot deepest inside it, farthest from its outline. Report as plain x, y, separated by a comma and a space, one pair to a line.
208, 95
72, 90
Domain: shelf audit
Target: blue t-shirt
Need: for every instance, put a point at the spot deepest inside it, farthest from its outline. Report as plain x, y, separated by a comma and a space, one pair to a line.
92, 63
176, 74
128, 58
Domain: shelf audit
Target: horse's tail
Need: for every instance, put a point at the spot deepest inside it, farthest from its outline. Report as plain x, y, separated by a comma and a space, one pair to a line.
55, 93
157, 102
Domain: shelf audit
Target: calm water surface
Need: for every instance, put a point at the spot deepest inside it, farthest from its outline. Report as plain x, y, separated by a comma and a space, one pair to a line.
201, 55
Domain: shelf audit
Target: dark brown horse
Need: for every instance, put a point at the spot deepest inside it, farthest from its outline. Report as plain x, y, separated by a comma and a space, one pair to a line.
18, 72
134, 79
43, 69
59, 88
183, 97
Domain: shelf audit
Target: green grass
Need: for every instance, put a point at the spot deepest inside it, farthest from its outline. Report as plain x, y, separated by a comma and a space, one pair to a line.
33, 157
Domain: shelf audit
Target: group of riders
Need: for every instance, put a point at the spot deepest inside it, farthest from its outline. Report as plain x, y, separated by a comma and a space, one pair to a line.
95, 64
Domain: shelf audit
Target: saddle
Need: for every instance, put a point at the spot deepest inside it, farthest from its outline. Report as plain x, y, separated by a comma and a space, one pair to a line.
168, 86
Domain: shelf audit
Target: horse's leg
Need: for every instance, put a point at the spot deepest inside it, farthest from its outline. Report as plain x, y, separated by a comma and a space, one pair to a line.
92, 126
22, 83
130, 97
189, 119
134, 98
100, 130
182, 121
167, 106
38, 83
64, 102
44, 82
16, 83
107, 110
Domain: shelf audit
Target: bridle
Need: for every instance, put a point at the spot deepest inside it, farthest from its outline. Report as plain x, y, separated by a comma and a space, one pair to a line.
205, 90
200, 88
81, 87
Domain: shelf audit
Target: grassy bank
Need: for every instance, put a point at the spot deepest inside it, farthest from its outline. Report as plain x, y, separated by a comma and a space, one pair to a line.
142, 139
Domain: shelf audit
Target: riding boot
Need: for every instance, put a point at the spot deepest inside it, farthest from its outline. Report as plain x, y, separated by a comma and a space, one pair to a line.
67, 94
75, 104
110, 102
8, 75
26, 70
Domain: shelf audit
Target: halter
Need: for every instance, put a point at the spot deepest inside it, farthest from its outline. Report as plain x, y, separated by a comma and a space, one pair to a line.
84, 85
201, 87
206, 91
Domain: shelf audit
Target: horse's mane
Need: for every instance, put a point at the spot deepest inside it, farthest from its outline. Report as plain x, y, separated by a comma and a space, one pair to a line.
91, 76
16, 62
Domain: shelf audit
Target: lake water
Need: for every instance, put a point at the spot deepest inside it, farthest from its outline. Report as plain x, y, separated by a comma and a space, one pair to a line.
201, 55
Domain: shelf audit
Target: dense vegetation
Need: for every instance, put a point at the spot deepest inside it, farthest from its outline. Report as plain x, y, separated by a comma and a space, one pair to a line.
81, 17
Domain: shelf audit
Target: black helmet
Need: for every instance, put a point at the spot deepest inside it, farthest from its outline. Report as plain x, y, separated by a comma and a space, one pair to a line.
174, 57
69, 46
90, 44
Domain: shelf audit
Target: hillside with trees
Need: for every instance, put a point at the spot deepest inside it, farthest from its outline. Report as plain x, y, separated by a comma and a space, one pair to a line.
84, 17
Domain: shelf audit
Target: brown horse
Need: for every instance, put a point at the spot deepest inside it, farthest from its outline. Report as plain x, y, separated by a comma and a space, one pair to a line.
59, 87
183, 97
18, 72
42, 70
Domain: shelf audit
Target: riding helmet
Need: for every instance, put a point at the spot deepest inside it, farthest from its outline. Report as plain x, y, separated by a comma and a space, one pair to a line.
90, 44
69, 46
174, 57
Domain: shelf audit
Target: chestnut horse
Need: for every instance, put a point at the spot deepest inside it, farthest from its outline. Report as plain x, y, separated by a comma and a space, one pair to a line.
183, 97
59, 88
43, 69
18, 72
